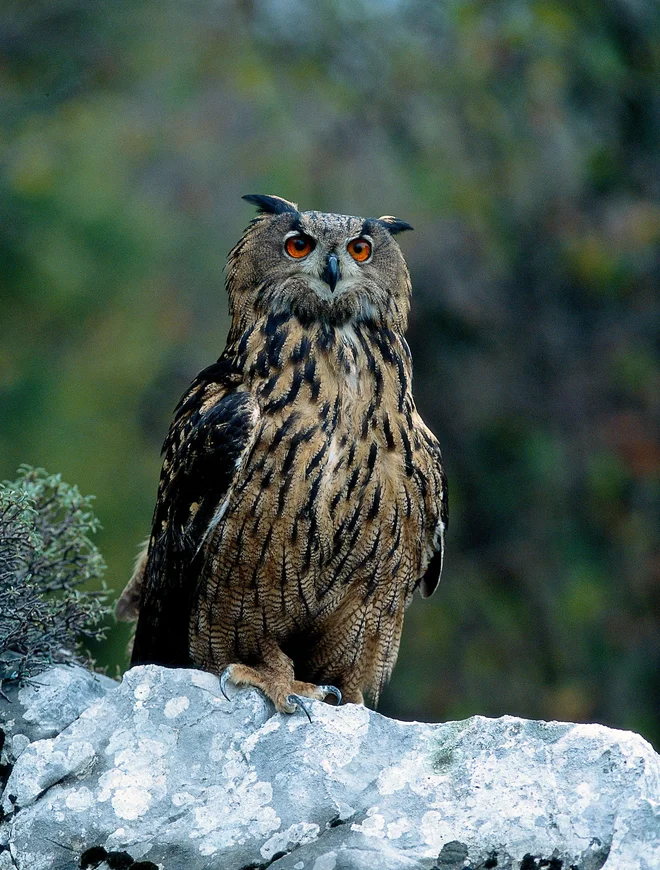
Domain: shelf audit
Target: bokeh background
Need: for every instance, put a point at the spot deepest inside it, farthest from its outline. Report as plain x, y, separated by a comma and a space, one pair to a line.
520, 138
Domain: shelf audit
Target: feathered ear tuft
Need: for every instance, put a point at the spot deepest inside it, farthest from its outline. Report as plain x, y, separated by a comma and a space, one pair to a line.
270, 204
394, 225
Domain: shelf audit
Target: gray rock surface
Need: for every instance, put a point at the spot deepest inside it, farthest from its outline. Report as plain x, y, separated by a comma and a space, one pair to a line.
46, 704
165, 769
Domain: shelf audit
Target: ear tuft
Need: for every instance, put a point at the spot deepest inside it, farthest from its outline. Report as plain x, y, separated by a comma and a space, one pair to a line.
394, 225
270, 204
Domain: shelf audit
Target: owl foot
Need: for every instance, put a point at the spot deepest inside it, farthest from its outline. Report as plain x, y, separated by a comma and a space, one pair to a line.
287, 695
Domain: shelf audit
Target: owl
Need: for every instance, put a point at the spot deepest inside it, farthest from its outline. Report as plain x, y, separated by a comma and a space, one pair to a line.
302, 499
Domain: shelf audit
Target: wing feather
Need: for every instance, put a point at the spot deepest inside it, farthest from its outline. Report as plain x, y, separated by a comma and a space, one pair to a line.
212, 428
433, 571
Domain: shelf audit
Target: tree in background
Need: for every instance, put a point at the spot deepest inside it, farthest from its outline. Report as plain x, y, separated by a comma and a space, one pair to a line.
519, 138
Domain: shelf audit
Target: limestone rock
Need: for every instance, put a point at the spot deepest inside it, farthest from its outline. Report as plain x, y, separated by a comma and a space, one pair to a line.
46, 704
167, 771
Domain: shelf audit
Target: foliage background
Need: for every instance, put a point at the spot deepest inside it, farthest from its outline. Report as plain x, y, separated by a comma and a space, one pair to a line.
521, 140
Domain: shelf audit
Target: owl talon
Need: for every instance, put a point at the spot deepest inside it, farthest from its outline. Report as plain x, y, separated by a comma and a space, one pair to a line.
305, 704
331, 690
224, 679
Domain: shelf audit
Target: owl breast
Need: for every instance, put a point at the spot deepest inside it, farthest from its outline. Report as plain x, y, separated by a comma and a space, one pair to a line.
334, 511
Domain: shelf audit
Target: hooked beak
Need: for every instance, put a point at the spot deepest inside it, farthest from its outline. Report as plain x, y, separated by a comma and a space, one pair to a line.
330, 272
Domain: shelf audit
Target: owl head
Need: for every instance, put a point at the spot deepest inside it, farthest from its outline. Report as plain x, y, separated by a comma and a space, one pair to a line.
318, 267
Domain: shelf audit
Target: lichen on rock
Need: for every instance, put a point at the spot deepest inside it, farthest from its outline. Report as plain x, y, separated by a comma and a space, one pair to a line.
164, 769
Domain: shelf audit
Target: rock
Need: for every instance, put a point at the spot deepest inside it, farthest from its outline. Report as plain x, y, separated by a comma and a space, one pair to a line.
46, 704
165, 772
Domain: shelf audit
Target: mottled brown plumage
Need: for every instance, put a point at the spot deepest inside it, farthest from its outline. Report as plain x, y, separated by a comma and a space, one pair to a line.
302, 498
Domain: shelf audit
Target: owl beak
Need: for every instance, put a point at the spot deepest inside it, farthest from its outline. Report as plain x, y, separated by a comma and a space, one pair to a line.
331, 272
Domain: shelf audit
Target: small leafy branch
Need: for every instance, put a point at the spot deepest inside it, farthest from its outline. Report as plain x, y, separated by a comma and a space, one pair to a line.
46, 555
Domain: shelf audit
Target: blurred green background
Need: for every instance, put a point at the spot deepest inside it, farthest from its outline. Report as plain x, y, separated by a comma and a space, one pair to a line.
521, 139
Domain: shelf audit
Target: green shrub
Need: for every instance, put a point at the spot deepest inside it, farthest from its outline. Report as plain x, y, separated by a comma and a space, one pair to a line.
46, 556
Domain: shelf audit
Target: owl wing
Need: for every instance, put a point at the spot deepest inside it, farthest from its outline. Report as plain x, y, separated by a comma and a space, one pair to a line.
438, 494
211, 430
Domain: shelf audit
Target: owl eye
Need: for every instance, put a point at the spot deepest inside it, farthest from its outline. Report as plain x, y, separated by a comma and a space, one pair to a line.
359, 249
299, 246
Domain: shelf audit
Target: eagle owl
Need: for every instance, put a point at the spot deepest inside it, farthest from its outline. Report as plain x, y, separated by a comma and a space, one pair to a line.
302, 499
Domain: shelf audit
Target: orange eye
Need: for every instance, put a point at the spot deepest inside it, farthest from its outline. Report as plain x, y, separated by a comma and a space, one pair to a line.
299, 246
359, 249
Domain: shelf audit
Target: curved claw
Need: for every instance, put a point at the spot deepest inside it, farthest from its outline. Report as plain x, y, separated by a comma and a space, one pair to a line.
304, 703
224, 679
331, 690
